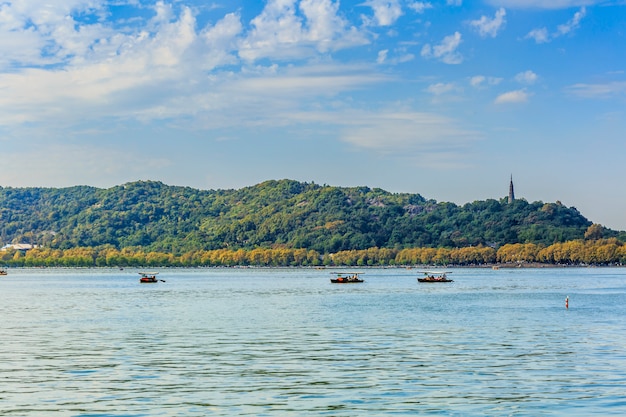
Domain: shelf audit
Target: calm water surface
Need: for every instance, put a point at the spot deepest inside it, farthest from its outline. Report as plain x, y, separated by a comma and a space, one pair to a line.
282, 342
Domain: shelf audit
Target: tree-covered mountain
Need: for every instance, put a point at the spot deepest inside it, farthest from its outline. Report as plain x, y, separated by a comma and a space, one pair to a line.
281, 213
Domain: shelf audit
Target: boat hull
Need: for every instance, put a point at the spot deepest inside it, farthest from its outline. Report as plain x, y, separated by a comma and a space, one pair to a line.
434, 280
345, 281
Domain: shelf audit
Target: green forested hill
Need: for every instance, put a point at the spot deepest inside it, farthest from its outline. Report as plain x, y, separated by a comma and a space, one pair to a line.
281, 213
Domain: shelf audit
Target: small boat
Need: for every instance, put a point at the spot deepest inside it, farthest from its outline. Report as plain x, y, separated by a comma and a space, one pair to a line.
3, 272
346, 278
435, 276
148, 277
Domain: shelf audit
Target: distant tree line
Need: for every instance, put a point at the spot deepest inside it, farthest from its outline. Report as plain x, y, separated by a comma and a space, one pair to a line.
591, 252
278, 215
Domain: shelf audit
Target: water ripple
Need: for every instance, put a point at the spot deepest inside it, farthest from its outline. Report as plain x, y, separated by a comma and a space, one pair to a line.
287, 342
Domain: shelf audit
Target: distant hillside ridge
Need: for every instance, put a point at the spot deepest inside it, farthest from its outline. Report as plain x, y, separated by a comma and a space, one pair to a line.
272, 214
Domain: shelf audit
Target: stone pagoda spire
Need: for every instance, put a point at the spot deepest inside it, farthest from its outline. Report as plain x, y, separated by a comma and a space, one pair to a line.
511, 192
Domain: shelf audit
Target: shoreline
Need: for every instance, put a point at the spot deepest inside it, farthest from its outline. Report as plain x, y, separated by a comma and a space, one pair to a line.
508, 265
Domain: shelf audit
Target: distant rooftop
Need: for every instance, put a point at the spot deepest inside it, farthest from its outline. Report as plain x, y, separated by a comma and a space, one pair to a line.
18, 246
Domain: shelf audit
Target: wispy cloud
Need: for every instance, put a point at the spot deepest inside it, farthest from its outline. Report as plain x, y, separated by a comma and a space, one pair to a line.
420, 6
440, 88
543, 4
308, 81
539, 35
382, 56
526, 77
481, 80
542, 35
599, 90
490, 27
573, 23
404, 131
399, 56
517, 96
446, 51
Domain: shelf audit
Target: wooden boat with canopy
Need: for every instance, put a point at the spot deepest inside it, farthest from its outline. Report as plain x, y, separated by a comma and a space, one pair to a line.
148, 277
435, 276
346, 277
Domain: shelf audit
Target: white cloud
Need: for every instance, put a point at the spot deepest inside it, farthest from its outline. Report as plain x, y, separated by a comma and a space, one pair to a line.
279, 33
480, 80
446, 51
382, 56
267, 97
490, 27
46, 33
221, 39
276, 33
105, 81
173, 40
543, 4
541, 35
406, 57
440, 88
420, 6
305, 82
400, 55
477, 80
403, 132
386, 12
322, 22
600, 90
57, 71
517, 96
573, 23
526, 77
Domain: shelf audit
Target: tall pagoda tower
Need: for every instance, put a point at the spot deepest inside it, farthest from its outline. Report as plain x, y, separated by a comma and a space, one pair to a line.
511, 192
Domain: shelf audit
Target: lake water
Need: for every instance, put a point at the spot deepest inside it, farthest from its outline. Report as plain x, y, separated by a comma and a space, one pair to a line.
287, 342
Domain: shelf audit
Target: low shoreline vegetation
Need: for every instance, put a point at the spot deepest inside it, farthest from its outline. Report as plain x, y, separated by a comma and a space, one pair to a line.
577, 252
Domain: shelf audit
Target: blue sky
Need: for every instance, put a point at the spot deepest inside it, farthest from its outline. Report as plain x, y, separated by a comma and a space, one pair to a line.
443, 98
